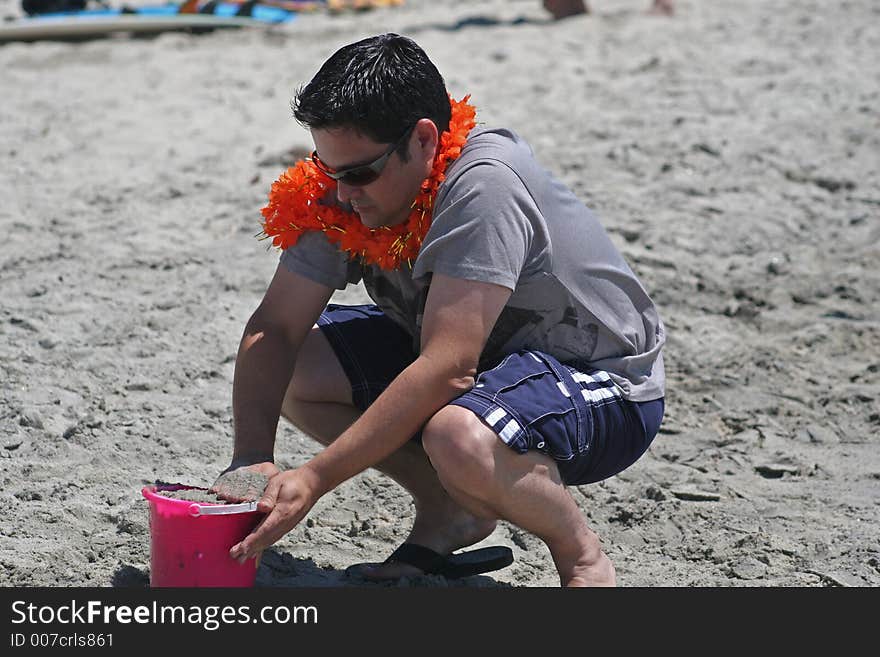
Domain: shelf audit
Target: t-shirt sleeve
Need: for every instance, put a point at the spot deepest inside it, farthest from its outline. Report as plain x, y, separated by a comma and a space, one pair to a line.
314, 257
482, 227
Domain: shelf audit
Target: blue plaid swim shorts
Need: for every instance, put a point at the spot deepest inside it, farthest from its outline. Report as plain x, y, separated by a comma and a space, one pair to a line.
531, 400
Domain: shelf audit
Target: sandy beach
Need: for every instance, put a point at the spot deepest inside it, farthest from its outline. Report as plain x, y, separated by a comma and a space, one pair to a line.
731, 151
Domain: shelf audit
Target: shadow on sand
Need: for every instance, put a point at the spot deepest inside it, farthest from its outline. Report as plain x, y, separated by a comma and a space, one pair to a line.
279, 569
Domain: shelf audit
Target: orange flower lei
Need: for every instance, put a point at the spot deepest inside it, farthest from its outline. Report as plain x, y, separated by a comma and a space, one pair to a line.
294, 205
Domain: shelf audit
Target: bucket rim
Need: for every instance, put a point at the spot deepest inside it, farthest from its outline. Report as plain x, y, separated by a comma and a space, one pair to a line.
195, 509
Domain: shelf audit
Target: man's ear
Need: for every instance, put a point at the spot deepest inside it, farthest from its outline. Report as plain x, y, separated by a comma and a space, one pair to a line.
427, 138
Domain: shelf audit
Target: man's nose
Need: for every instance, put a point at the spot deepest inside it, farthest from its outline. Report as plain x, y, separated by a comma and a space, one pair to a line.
345, 192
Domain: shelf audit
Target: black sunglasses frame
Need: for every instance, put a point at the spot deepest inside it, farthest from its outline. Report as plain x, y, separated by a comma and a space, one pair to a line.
363, 174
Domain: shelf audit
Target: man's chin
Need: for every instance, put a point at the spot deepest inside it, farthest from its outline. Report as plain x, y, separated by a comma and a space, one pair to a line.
368, 219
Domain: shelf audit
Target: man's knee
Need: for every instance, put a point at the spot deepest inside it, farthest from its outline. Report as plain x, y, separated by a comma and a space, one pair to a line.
459, 445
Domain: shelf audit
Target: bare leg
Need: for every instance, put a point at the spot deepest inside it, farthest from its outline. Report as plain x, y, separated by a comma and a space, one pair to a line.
487, 477
565, 8
318, 401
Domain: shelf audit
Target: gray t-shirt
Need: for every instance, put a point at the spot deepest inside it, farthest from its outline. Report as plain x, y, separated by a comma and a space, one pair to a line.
501, 218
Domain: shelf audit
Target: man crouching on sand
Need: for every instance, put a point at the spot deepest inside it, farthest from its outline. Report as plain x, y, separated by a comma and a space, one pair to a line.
510, 352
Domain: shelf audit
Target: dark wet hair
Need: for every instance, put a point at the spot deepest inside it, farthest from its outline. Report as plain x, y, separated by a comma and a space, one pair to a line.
380, 86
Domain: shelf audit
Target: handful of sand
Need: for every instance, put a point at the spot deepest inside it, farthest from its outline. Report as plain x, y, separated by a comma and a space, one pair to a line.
240, 485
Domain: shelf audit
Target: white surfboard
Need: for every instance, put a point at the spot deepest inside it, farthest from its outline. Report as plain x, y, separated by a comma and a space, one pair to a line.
72, 28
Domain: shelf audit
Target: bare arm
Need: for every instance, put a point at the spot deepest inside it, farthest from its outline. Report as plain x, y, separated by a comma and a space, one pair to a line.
264, 365
459, 316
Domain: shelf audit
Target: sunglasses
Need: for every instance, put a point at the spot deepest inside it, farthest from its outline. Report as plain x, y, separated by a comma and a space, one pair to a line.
363, 174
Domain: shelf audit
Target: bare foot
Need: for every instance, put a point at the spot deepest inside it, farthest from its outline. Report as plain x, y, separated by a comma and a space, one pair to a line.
565, 8
599, 573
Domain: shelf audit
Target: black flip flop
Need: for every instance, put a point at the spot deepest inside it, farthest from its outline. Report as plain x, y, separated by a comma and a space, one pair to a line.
474, 562
453, 566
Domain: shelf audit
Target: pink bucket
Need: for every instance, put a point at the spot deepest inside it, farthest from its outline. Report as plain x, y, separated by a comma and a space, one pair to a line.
190, 542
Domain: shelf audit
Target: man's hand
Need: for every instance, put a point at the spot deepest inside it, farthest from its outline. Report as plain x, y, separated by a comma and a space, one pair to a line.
244, 482
288, 497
